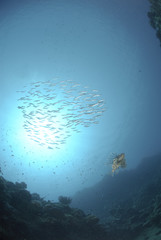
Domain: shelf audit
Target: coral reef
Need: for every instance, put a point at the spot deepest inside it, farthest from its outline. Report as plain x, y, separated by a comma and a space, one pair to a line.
155, 16
124, 207
28, 216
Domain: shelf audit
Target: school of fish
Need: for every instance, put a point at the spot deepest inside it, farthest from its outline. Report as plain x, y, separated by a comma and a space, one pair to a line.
52, 110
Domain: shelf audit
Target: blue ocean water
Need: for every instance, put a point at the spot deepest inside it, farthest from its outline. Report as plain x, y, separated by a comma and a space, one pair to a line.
108, 46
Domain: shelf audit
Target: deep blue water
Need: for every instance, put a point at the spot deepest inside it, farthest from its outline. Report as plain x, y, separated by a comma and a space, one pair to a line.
105, 45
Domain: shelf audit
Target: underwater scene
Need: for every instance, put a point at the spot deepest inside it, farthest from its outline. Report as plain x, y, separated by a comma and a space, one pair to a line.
80, 120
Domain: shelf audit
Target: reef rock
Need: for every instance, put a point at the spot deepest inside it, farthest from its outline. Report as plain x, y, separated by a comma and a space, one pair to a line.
29, 217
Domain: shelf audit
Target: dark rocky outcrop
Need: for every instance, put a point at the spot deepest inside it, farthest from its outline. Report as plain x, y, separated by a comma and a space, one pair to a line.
155, 16
27, 216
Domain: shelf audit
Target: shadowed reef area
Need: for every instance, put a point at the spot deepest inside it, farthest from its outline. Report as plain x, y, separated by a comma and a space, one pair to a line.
126, 206
129, 203
155, 17
27, 216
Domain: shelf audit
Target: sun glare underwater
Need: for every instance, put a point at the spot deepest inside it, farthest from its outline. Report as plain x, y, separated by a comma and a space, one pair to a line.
51, 116
80, 93
53, 110
80, 119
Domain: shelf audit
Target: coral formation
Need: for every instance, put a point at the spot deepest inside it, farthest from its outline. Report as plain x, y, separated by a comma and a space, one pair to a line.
28, 216
124, 207
155, 16
65, 200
